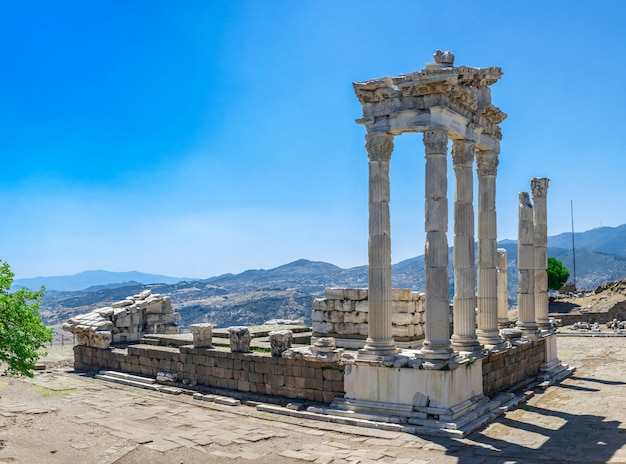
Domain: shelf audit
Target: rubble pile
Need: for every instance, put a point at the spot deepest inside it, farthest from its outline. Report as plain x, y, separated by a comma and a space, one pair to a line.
125, 321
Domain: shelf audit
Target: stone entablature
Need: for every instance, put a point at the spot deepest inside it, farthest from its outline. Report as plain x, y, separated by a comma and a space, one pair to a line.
125, 321
343, 314
435, 97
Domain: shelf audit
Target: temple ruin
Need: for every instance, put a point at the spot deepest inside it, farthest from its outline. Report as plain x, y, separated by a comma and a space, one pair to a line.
395, 358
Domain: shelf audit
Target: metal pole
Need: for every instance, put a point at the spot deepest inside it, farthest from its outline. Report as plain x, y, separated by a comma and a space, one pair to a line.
573, 247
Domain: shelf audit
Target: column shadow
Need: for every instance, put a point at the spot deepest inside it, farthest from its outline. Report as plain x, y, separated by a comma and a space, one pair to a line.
572, 438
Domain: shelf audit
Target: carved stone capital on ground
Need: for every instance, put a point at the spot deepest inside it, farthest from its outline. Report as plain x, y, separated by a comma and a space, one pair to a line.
487, 163
280, 341
463, 153
539, 186
202, 335
379, 146
239, 339
436, 141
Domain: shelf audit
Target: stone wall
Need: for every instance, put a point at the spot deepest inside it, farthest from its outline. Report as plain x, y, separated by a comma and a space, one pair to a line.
257, 373
343, 314
502, 370
125, 321
618, 311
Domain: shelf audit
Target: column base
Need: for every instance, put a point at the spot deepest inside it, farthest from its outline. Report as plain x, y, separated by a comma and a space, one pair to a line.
435, 351
377, 350
490, 339
532, 334
465, 344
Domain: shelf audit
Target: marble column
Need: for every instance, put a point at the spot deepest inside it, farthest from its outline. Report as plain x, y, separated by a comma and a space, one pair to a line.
539, 188
464, 313
380, 341
487, 167
437, 307
526, 269
503, 294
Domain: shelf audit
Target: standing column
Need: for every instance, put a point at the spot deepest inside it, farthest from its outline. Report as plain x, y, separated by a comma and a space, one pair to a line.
526, 267
464, 312
503, 294
437, 307
380, 340
539, 187
487, 167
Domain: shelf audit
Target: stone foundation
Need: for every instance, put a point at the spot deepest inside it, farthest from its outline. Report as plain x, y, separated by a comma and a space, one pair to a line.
259, 373
504, 369
343, 314
301, 378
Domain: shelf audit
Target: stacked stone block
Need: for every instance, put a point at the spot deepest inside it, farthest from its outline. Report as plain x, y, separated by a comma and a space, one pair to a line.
344, 313
504, 369
125, 321
251, 373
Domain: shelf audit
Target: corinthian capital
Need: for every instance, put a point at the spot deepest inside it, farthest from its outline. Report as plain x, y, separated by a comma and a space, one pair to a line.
487, 163
463, 152
436, 141
539, 186
379, 146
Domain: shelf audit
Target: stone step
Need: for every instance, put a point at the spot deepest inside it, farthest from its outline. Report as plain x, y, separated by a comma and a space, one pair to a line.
137, 381
218, 399
127, 376
555, 376
459, 428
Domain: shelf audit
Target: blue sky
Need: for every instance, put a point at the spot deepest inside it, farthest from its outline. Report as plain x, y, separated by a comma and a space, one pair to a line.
197, 138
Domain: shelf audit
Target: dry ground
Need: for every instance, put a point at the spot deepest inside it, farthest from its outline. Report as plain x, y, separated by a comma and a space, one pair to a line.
63, 417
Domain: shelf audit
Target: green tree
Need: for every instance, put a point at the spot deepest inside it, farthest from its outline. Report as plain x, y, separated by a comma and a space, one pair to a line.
22, 334
557, 274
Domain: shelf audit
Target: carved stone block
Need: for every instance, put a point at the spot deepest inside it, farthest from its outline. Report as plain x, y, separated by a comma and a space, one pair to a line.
239, 339
280, 341
202, 335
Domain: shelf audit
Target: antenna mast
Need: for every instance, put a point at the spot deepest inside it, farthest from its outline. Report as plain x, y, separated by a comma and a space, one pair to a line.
573, 247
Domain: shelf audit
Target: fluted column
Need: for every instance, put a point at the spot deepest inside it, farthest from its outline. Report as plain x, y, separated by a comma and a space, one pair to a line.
437, 308
380, 339
464, 312
503, 294
526, 268
539, 187
487, 167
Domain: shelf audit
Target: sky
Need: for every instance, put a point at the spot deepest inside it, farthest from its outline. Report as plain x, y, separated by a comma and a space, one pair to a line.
199, 138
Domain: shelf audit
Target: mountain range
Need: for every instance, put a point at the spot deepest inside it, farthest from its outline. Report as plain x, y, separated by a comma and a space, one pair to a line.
287, 292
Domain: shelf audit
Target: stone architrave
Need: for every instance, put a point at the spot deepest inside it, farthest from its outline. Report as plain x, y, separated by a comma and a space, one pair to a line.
464, 310
280, 341
488, 333
503, 294
539, 188
437, 343
239, 339
380, 341
526, 269
202, 335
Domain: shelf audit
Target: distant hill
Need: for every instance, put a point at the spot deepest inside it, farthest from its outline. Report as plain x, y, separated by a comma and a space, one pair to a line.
604, 240
87, 279
288, 291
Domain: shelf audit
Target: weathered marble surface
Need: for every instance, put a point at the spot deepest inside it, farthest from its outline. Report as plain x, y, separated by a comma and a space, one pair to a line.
202, 335
240, 339
280, 341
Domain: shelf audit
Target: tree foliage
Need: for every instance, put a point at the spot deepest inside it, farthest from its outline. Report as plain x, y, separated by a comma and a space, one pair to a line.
557, 274
22, 334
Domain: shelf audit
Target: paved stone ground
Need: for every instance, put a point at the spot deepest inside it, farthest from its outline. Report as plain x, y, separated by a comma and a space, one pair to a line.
61, 417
